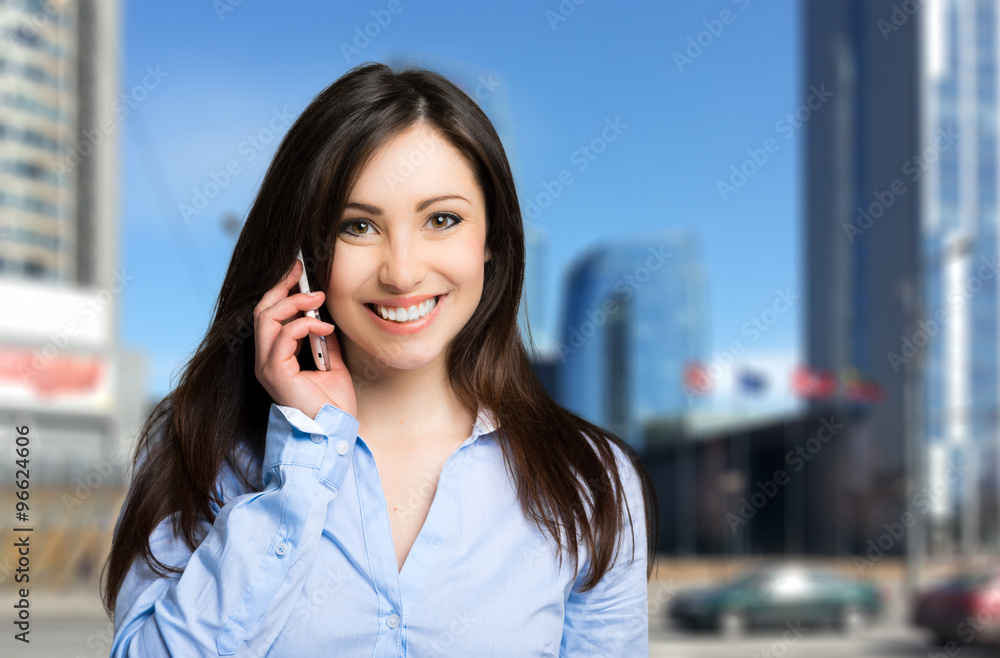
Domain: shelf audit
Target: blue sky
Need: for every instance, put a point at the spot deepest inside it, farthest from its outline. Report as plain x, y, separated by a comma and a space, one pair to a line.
226, 76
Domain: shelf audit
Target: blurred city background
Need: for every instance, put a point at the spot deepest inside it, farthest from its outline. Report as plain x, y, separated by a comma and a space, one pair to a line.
762, 248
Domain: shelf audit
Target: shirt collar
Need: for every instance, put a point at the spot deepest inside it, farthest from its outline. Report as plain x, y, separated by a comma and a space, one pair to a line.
486, 423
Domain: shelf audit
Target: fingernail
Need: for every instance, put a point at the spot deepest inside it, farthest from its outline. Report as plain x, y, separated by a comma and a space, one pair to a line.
313, 294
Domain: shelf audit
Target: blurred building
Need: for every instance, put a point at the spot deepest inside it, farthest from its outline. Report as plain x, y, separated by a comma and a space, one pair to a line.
958, 160
634, 317
533, 311
61, 369
744, 487
861, 246
901, 251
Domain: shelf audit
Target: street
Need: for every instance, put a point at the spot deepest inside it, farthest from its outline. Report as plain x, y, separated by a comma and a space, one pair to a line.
889, 639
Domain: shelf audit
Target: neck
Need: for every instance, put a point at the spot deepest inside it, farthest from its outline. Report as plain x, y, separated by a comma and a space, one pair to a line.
400, 408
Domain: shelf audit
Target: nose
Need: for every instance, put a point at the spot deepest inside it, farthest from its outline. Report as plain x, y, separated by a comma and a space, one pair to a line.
403, 264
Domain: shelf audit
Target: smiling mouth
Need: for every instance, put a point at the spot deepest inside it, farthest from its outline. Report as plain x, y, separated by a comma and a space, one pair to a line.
407, 315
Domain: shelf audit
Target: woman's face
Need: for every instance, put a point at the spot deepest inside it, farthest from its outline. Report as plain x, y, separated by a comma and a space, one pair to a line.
412, 240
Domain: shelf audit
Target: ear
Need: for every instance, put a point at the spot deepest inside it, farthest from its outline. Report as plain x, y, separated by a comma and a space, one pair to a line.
488, 255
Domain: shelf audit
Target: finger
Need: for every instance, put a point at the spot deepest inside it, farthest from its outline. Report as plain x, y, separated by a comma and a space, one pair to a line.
280, 290
285, 311
285, 346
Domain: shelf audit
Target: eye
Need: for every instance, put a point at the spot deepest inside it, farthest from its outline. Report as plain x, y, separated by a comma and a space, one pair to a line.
436, 217
363, 226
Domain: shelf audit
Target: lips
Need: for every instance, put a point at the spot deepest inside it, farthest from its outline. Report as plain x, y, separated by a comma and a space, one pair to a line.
401, 313
409, 327
404, 302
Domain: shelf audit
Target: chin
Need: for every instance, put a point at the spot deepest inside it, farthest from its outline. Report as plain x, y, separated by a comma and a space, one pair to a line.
414, 362
409, 357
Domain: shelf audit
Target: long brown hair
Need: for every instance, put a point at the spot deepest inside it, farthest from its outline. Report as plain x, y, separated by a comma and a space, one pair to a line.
218, 411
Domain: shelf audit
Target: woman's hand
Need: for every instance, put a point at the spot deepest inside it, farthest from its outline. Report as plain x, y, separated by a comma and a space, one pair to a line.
278, 335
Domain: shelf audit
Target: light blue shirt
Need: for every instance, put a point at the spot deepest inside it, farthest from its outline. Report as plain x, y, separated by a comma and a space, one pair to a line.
307, 567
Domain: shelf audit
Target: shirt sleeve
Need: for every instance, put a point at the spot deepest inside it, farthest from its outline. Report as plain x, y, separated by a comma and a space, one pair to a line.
612, 619
238, 588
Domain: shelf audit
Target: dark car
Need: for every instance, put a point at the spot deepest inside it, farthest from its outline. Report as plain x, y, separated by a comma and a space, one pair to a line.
780, 596
964, 608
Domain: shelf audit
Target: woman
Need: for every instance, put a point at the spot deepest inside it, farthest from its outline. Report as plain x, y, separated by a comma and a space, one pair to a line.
418, 497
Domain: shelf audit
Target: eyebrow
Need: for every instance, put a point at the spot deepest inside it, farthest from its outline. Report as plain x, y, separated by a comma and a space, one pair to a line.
375, 210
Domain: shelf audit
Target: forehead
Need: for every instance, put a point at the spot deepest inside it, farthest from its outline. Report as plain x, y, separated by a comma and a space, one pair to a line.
418, 161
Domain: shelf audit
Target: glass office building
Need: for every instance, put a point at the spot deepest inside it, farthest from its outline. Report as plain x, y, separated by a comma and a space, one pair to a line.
959, 252
901, 254
634, 317
861, 242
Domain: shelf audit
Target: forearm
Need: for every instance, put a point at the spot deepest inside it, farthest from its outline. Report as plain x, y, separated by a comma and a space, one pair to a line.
239, 586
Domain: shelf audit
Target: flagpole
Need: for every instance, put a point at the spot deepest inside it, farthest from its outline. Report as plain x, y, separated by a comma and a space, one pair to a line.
741, 545
911, 440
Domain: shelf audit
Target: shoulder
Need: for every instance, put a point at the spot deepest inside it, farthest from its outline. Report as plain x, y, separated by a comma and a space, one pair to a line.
629, 483
626, 462
623, 536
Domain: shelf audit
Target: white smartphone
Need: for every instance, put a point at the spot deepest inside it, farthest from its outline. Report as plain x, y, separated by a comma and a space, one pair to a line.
318, 343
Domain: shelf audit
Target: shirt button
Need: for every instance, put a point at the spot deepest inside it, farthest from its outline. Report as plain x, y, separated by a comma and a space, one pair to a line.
342, 447
316, 438
392, 621
281, 548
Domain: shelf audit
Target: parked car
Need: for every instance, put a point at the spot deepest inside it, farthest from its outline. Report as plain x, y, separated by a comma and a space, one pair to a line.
779, 596
964, 608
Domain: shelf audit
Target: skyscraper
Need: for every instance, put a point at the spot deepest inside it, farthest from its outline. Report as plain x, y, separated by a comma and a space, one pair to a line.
959, 161
902, 261
61, 282
862, 219
58, 160
634, 317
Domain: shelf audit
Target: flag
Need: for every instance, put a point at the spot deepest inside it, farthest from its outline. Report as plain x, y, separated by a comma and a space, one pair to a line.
859, 387
696, 378
751, 381
808, 382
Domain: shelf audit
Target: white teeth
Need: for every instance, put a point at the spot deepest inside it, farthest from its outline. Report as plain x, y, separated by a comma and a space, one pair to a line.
399, 314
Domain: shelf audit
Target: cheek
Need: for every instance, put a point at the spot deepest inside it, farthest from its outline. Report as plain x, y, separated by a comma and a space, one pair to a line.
344, 281
467, 263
